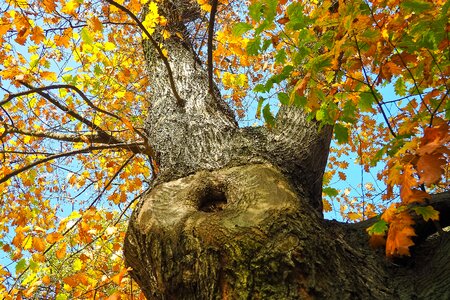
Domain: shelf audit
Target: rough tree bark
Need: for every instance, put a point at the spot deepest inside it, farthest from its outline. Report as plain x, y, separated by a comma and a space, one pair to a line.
235, 213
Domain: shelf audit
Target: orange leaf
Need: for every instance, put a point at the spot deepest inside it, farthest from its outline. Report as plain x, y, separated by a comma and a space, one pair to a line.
49, 5
407, 192
22, 35
430, 168
46, 280
54, 237
95, 23
38, 244
37, 35
400, 235
434, 138
283, 20
326, 206
128, 124
61, 252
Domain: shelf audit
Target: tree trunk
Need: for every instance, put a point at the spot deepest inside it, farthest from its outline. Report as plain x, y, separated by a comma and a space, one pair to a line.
236, 213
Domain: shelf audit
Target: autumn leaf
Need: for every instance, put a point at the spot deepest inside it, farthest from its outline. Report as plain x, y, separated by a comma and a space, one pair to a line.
54, 237
399, 236
430, 168
408, 193
38, 244
427, 212
37, 35
61, 252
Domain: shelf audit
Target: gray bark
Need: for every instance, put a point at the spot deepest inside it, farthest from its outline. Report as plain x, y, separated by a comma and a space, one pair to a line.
236, 213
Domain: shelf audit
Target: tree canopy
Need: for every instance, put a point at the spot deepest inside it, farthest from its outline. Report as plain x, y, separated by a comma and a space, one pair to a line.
75, 156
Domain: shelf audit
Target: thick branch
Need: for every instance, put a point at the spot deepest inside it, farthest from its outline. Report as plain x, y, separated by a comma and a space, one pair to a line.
180, 101
210, 46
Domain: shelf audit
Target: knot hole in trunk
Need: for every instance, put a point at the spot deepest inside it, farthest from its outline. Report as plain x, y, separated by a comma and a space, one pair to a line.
212, 199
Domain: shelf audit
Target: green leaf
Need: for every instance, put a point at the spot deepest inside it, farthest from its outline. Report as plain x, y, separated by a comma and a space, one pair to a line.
253, 46
348, 112
260, 88
427, 212
255, 11
86, 37
320, 62
378, 156
268, 116
61, 297
341, 133
330, 192
297, 19
283, 98
297, 100
241, 28
366, 101
270, 10
259, 107
281, 56
21, 265
266, 44
416, 6
380, 227
400, 87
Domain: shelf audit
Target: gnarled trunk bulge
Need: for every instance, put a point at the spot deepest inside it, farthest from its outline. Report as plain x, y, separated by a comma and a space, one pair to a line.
236, 213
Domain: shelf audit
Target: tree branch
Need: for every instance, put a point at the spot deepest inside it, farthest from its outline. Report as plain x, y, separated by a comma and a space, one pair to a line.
93, 138
180, 102
372, 91
70, 153
70, 112
210, 47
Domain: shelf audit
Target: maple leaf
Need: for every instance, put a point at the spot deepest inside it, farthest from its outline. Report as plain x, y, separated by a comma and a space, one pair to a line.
400, 234
434, 138
427, 212
37, 35
430, 168
408, 193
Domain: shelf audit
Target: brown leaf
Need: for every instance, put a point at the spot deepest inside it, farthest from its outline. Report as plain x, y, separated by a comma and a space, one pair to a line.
430, 168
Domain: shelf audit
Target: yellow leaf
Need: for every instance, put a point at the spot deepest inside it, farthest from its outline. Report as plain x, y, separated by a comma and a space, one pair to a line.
109, 46
166, 34
27, 242
354, 216
70, 7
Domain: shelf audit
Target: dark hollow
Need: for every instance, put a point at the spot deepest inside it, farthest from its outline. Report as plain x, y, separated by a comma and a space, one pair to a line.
212, 200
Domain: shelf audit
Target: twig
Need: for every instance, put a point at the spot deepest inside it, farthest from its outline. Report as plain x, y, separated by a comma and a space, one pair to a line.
372, 91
